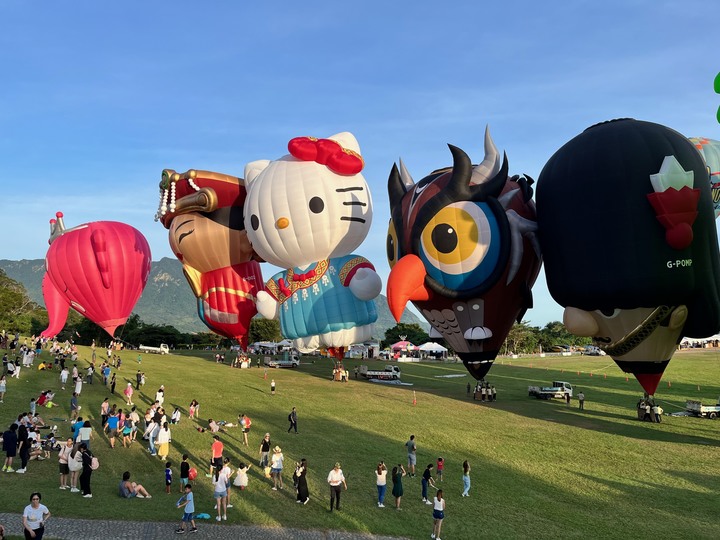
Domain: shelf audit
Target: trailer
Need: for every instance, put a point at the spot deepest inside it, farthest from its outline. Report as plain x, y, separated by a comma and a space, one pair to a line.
702, 411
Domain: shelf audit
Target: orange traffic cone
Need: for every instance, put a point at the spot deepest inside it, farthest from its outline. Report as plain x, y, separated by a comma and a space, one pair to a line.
669, 384
414, 398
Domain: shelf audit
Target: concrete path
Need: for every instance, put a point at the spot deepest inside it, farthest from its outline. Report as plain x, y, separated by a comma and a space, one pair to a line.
88, 529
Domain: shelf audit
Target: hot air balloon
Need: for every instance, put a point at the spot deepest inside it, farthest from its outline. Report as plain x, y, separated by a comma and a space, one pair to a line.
636, 193
306, 212
203, 211
710, 151
99, 269
462, 248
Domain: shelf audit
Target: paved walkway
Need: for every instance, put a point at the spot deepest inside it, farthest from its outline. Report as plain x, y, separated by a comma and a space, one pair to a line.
89, 529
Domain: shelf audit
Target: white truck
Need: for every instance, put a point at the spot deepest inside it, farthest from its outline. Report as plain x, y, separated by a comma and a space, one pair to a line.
390, 373
162, 349
559, 389
698, 409
285, 361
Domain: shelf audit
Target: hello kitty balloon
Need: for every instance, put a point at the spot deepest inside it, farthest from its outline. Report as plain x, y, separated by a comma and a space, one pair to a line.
307, 212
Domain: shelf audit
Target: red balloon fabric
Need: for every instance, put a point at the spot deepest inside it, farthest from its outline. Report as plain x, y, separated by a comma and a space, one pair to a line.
100, 268
57, 307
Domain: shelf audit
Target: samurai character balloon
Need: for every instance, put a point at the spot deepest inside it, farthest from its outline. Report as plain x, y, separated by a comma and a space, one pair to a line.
636, 197
203, 211
307, 212
462, 247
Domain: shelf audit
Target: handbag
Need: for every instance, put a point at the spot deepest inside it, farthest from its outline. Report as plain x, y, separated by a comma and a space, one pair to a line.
94, 464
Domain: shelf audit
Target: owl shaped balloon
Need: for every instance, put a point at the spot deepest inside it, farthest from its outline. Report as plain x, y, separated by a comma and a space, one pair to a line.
306, 212
462, 248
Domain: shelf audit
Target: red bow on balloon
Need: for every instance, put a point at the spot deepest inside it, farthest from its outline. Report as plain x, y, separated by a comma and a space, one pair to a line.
327, 152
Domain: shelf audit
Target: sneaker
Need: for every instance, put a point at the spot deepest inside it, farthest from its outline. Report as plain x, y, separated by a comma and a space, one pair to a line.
142, 497
4, 468
225, 517
63, 487
298, 501
218, 518
193, 530
424, 499
9, 469
215, 507
21, 471
432, 536
208, 476
149, 497
381, 505
88, 496
74, 490
180, 531
229, 506
428, 502
274, 489
307, 500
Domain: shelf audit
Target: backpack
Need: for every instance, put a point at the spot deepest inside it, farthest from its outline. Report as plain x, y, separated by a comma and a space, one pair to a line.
290, 417
94, 464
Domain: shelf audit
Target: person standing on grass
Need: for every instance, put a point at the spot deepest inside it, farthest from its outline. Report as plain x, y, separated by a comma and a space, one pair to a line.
427, 480
74, 408
265, 446
292, 418
10, 445
245, 424
303, 493
78, 385
86, 471
64, 374
227, 471
34, 518
272, 387
63, 457
335, 478
217, 455
381, 482
112, 424
3, 388
412, 455
128, 394
440, 467
220, 493
276, 468
163, 441
581, 400
75, 467
184, 473
187, 502
113, 382
466, 479
168, 477
438, 514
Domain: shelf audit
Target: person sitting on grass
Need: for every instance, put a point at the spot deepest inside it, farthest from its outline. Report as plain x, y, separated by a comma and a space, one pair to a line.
128, 489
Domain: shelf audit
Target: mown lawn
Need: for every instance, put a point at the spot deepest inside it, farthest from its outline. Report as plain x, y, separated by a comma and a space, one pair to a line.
540, 469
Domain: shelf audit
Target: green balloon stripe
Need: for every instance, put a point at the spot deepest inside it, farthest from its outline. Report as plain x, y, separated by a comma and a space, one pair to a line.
717, 83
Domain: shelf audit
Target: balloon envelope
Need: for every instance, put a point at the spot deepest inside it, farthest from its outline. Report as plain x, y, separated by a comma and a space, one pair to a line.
100, 269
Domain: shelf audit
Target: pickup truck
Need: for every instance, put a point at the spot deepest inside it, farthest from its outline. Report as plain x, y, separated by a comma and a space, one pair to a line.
390, 373
162, 349
698, 409
559, 389
286, 361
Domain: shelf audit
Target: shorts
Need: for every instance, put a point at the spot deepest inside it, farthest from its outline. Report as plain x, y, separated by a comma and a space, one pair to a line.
412, 459
438, 514
131, 495
168, 482
64, 469
273, 470
112, 433
219, 494
188, 517
183, 482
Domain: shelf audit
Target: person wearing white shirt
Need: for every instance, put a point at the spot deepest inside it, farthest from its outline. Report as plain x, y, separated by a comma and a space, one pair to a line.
438, 514
335, 479
35, 516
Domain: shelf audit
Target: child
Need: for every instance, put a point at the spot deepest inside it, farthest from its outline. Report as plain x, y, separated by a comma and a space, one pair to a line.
168, 477
189, 504
241, 480
184, 473
439, 468
32, 406
175, 418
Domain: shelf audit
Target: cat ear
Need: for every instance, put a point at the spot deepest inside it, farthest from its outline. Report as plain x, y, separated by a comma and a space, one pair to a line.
347, 140
254, 168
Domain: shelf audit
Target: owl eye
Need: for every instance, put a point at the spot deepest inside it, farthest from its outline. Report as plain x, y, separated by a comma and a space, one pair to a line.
254, 222
460, 246
609, 313
391, 245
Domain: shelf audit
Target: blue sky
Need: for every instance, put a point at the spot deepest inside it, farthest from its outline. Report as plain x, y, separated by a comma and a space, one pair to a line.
97, 98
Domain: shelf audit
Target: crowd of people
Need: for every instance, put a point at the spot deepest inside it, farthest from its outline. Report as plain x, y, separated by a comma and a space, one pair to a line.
121, 424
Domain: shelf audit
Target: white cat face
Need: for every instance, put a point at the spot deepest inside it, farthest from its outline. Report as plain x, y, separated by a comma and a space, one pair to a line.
298, 212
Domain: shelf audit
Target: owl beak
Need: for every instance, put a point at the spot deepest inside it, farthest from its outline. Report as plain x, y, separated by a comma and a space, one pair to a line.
406, 282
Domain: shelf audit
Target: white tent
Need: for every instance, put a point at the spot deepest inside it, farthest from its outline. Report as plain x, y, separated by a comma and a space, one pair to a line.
432, 347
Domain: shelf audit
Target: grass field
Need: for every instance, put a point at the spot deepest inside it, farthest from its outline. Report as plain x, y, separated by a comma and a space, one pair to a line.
539, 469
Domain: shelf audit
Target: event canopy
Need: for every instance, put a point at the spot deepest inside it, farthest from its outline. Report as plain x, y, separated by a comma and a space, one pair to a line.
402, 346
432, 347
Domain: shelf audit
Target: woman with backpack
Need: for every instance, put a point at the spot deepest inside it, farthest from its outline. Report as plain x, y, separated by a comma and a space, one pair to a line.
89, 463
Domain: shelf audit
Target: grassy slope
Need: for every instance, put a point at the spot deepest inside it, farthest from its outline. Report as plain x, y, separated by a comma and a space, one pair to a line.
539, 468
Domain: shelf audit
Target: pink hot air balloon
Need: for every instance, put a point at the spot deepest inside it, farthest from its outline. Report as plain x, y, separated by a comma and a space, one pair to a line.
99, 269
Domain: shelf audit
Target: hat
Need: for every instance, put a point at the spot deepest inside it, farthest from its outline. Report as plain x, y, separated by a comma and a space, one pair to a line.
277, 449
197, 191
337, 464
267, 434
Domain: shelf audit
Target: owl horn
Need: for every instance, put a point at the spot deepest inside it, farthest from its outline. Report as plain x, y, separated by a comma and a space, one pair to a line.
461, 171
490, 165
396, 186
